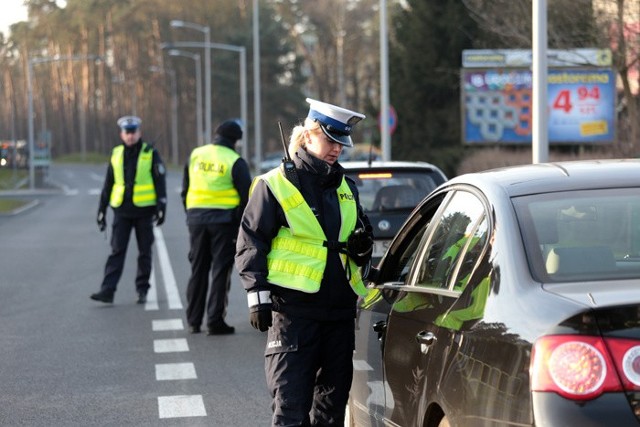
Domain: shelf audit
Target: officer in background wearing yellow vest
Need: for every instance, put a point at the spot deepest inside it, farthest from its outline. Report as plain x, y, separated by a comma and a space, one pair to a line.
135, 188
298, 254
215, 189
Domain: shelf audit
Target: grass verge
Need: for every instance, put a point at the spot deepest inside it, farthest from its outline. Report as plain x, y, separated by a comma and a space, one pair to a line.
9, 205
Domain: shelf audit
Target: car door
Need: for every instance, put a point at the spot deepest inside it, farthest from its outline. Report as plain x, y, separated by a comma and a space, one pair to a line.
421, 327
367, 395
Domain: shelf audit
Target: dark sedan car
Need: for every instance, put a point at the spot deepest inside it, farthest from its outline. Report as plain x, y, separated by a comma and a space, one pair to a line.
509, 298
389, 191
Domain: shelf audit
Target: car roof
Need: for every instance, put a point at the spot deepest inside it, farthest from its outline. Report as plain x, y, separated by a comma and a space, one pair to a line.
561, 176
389, 164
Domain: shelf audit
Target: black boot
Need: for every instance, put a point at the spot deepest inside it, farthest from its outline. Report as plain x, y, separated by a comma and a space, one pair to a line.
220, 328
103, 296
142, 298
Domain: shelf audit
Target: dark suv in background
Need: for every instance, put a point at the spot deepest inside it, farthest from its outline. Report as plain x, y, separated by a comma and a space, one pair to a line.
389, 191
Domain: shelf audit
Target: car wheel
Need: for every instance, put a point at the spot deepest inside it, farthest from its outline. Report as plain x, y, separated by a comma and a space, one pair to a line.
444, 422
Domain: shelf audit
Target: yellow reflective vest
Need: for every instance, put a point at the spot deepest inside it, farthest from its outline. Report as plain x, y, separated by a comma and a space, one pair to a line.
298, 257
210, 182
144, 191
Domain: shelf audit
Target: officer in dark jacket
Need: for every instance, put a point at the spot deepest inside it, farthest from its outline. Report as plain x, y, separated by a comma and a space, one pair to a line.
298, 253
215, 189
135, 188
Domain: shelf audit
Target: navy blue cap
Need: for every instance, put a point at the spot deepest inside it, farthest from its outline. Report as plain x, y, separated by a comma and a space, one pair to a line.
129, 122
230, 129
336, 122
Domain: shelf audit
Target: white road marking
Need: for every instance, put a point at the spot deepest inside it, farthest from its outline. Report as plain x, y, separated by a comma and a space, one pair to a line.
96, 177
181, 406
95, 191
175, 371
167, 325
170, 345
152, 293
170, 287
361, 365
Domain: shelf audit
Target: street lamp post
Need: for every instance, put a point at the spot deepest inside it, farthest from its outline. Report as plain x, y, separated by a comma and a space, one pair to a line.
196, 58
385, 137
30, 113
174, 117
257, 105
207, 70
174, 109
243, 77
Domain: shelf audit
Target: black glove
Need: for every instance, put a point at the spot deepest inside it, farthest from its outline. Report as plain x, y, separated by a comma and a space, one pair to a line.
260, 316
360, 242
102, 220
161, 210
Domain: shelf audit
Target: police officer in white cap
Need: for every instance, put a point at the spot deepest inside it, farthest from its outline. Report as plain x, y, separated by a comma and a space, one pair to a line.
302, 240
135, 188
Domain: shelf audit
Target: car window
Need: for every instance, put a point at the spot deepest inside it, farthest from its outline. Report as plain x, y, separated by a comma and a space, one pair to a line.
455, 243
401, 256
581, 235
393, 189
405, 261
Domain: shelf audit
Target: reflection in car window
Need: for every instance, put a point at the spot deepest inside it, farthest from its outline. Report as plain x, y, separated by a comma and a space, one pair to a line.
582, 235
406, 260
462, 228
472, 254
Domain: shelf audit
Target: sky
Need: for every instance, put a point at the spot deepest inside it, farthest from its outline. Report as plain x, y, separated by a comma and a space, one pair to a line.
12, 11
15, 11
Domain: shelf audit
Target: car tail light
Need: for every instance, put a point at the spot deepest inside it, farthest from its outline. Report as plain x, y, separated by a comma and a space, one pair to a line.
626, 355
576, 367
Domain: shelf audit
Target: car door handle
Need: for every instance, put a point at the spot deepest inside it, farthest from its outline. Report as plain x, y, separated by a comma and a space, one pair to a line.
425, 339
379, 327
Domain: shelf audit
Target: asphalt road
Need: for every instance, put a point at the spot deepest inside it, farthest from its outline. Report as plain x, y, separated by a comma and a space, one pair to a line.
66, 360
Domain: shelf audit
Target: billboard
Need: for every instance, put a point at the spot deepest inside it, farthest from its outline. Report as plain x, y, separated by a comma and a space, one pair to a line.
497, 96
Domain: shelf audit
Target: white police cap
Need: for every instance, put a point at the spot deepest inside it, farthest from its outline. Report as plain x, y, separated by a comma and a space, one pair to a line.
336, 122
129, 122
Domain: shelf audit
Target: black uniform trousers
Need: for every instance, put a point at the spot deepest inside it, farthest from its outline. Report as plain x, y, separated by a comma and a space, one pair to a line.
309, 369
212, 250
121, 231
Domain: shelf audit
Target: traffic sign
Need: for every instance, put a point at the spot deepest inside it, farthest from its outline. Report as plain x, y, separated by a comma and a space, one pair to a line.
393, 120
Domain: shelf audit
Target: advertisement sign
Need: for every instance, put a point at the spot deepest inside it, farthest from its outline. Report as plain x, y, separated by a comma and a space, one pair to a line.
496, 105
518, 58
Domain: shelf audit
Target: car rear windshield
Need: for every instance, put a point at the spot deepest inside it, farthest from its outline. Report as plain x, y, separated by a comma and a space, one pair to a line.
582, 235
388, 190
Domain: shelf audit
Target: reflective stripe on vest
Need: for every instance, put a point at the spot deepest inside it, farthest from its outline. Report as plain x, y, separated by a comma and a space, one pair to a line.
210, 182
144, 192
298, 258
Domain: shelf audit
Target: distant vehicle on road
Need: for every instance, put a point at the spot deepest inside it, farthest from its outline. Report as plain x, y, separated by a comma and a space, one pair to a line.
14, 154
389, 191
509, 298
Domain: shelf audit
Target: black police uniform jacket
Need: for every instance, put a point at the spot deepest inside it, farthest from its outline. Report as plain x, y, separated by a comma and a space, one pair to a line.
260, 223
130, 162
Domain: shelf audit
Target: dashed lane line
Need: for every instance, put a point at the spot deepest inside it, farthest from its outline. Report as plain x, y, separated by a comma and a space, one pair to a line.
361, 365
175, 371
152, 293
175, 345
167, 325
181, 406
